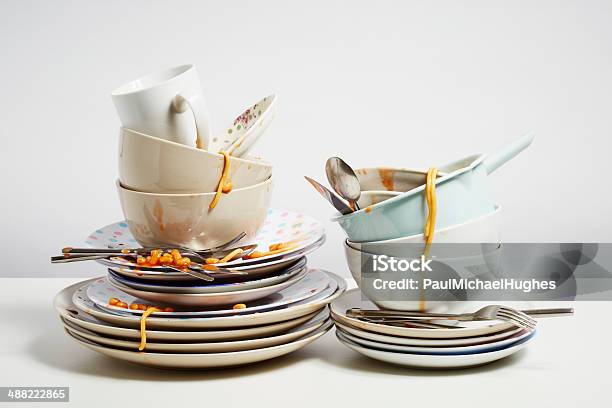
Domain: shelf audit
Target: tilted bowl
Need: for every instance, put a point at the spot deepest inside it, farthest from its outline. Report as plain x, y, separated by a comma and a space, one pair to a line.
460, 197
462, 194
154, 165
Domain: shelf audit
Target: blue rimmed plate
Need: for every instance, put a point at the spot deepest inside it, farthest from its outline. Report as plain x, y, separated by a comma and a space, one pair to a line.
200, 286
432, 361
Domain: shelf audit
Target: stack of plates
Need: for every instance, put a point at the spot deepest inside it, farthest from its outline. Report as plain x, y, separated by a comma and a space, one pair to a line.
283, 304
279, 226
471, 344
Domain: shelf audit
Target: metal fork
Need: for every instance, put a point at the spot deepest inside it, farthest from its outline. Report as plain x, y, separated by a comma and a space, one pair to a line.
491, 312
120, 249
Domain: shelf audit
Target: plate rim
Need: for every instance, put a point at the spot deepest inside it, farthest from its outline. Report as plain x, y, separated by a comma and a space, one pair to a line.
415, 332
320, 224
383, 346
221, 312
317, 320
441, 361
326, 327
292, 271
233, 321
465, 341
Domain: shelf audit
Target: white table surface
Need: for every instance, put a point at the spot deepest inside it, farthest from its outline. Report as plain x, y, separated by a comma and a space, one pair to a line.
567, 364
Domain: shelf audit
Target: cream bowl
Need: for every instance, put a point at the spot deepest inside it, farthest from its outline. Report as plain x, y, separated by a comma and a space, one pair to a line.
185, 219
154, 165
382, 183
390, 178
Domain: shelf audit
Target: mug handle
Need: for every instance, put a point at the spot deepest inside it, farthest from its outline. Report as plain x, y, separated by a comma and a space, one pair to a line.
197, 105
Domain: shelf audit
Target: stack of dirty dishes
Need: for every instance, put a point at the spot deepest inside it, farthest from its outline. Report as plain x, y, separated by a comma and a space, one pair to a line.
425, 344
253, 309
396, 206
201, 272
179, 184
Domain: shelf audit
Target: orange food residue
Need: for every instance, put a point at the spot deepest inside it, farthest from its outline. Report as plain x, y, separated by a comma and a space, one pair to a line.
273, 249
222, 181
386, 178
158, 257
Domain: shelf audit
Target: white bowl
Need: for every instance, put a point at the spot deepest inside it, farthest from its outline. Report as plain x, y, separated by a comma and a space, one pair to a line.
483, 230
390, 178
464, 267
185, 220
154, 165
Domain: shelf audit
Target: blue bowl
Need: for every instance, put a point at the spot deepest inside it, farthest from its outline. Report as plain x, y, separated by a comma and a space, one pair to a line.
462, 194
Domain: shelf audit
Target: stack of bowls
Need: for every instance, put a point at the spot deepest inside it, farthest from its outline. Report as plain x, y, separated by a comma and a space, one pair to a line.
471, 344
394, 213
166, 188
359, 248
253, 310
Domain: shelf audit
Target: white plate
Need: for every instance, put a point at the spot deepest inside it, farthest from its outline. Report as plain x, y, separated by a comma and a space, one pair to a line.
439, 350
208, 347
200, 287
265, 264
209, 360
336, 288
279, 226
409, 341
353, 299
435, 361
302, 286
68, 311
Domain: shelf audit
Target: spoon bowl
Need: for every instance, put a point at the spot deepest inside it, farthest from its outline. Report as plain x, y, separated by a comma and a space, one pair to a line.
330, 196
343, 180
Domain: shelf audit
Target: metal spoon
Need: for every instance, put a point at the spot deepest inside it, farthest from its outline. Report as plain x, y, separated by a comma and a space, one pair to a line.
330, 196
344, 180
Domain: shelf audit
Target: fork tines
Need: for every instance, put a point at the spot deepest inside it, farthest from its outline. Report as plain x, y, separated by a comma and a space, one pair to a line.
516, 317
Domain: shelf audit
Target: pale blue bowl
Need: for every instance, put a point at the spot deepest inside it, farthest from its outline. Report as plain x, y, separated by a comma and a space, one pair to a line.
462, 194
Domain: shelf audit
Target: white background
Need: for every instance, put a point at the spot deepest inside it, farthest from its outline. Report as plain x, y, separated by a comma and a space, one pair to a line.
406, 83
